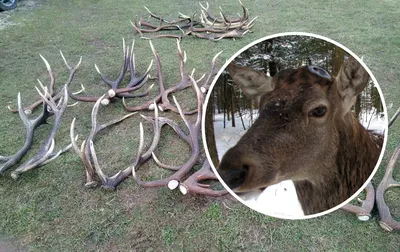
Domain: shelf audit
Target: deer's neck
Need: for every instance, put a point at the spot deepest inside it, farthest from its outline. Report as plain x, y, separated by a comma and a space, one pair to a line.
357, 155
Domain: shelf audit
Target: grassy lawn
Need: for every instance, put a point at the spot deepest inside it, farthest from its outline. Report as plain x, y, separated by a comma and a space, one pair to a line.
50, 210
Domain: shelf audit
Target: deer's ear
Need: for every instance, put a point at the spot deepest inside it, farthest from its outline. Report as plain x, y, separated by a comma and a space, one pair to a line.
351, 80
253, 83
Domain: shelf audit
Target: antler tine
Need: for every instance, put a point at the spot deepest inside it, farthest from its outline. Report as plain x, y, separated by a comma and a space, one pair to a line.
237, 21
200, 100
364, 212
73, 95
90, 182
135, 82
96, 165
183, 84
30, 126
193, 183
393, 119
182, 59
211, 75
386, 220
156, 136
149, 104
28, 109
158, 66
126, 58
169, 26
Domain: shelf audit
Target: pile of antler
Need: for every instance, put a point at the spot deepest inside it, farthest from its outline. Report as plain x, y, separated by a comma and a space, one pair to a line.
87, 153
364, 212
192, 183
209, 27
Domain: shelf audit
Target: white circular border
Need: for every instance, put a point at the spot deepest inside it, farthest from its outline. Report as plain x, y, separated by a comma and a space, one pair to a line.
296, 34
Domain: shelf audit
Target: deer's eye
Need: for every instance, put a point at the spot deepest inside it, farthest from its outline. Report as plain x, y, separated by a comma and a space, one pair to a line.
318, 112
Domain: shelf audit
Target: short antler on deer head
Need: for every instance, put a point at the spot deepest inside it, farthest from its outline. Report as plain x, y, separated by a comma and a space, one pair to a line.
88, 155
192, 139
135, 82
193, 183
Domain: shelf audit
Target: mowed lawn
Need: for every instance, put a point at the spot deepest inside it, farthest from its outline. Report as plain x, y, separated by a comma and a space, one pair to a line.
49, 209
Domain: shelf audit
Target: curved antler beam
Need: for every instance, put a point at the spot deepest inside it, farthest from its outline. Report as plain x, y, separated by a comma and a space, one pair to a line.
88, 155
386, 220
363, 213
30, 126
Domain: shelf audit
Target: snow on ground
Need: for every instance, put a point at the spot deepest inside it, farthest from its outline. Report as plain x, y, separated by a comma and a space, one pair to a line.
373, 121
278, 200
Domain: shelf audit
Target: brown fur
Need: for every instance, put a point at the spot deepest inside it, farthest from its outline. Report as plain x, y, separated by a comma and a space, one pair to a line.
328, 158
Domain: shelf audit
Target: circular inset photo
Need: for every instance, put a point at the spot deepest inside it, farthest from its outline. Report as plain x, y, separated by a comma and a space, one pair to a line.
295, 126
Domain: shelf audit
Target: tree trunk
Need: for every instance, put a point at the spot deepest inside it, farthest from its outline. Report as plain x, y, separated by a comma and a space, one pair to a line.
337, 60
210, 136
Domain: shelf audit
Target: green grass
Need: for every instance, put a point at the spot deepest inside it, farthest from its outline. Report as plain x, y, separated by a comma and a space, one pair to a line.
49, 209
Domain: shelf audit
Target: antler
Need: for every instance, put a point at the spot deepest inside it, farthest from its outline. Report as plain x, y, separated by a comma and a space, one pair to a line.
162, 98
212, 28
46, 153
193, 139
88, 155
364, 212
209, 20
50, 87
394, 117
30, 126
135, 83
386, 220
193, 183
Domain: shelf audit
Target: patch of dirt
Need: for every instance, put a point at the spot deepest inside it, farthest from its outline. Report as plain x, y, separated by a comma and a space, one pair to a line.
25, 5
7, 246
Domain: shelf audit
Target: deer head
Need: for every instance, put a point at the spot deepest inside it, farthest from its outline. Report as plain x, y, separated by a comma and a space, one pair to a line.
305, 131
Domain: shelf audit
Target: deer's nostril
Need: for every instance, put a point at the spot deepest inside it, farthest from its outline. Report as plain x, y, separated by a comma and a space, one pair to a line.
236, 178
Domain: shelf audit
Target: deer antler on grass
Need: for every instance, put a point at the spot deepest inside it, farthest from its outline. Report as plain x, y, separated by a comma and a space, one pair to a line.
363, 212
193, 183
50, 89
192, 139
30, 126
386, 220
161, 100
53, 104
46, 153
211, 28
88, 155
135, 82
